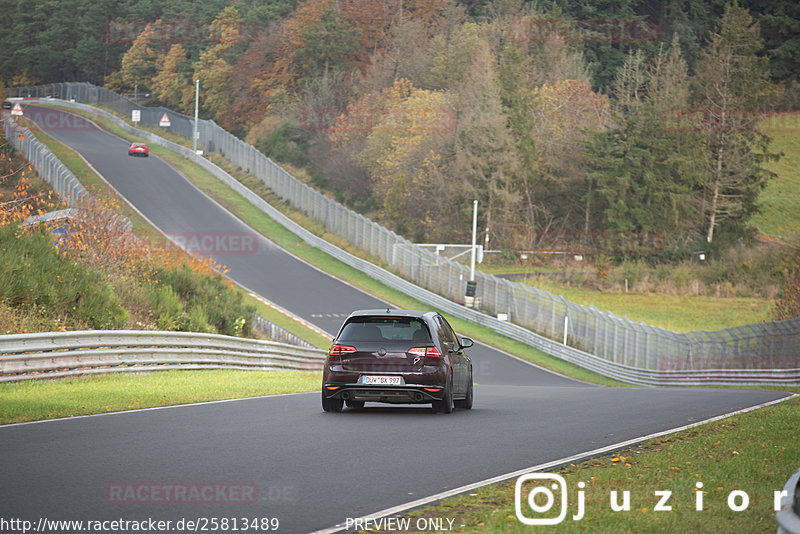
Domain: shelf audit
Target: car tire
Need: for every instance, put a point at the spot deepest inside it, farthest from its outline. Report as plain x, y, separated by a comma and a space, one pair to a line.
331, 405
466, 403
355, 404
446, 404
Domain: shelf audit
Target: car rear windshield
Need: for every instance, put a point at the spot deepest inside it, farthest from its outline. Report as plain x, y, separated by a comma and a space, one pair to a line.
385, 329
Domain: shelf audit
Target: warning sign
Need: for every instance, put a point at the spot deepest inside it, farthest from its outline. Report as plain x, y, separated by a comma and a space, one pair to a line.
17, 109
165, 122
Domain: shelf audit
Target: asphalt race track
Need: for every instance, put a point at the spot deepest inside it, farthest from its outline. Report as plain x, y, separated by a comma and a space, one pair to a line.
282, 457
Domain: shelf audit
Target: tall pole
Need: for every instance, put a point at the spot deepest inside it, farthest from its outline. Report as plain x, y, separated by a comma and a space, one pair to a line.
469, 299
474, 239
196, 112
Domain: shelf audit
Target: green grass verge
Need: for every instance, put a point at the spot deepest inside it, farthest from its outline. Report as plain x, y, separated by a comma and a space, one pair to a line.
49, 399
679, 313
754, 452
779, 215
268, 227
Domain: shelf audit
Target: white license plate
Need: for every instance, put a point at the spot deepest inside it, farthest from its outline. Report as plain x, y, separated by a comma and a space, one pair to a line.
383, 380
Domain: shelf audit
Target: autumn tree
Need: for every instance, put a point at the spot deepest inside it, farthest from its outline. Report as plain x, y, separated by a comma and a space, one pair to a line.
405, 56
139, 62
452, 54
565, 113
405, 132
485, 158
215, 68
527, 71
169, 85
252, 84
730, 83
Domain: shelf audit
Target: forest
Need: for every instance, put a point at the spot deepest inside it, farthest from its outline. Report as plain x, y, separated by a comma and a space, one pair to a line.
562, 117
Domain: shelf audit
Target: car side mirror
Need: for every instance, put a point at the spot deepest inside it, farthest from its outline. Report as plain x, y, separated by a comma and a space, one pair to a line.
466, 343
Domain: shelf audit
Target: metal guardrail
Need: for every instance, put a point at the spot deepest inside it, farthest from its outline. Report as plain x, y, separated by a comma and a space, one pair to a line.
788, 516
57, 354
601, 341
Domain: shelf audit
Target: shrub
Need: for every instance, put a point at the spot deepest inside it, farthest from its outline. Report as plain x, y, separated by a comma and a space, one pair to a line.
788, 306
35, 275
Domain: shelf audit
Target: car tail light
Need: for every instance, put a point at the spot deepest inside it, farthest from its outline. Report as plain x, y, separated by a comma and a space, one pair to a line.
339, 350
425, 351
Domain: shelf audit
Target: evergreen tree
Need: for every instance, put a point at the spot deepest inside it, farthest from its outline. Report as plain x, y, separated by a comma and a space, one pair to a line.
647, 173
731, 84
328, 45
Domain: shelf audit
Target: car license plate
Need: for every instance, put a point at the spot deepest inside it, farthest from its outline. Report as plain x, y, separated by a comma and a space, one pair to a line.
382, 380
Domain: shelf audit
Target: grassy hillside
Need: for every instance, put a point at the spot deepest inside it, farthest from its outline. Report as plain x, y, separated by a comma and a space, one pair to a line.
779, 203
679, 313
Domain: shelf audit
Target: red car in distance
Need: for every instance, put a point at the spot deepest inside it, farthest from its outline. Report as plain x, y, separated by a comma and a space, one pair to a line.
138, 149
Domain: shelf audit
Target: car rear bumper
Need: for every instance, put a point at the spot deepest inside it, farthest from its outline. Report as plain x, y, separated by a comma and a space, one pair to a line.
408, 394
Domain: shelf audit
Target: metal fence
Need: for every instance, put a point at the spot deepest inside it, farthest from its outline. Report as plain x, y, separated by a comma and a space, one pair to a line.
278, 333
57, 354
49, 167
755, 351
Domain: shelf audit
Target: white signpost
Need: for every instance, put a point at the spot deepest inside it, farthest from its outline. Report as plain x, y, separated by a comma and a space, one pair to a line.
136, 115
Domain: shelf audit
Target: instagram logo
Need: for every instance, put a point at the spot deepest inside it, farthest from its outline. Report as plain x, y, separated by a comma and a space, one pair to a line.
538, 508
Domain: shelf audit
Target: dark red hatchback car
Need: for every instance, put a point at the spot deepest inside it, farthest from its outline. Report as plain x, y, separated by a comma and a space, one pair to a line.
397, 357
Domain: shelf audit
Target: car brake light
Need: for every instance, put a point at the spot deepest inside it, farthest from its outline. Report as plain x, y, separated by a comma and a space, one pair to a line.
338, 350
424, 351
